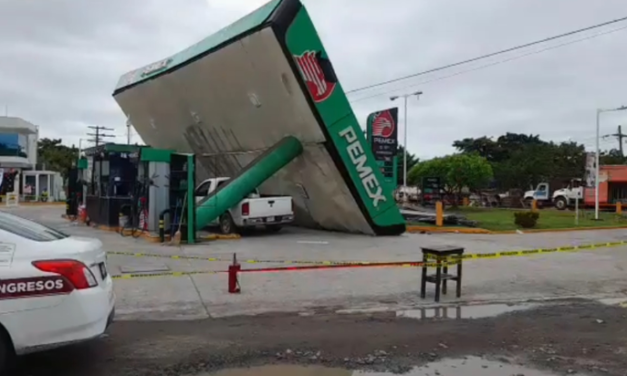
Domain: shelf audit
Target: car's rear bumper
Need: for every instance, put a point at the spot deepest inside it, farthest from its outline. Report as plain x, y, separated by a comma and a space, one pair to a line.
83, 316
275, 220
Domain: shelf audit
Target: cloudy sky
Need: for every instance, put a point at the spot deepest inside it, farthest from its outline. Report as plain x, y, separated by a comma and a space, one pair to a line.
59, 61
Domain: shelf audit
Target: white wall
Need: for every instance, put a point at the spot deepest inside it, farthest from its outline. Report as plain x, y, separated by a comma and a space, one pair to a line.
20, 126
32, 148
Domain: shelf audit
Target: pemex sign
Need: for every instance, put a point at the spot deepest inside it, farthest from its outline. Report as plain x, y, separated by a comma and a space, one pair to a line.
382, 134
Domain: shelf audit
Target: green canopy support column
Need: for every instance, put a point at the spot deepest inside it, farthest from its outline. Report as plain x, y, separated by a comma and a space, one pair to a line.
251, 177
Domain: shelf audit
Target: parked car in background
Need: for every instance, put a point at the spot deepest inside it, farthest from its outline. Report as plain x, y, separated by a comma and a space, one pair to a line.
270, 212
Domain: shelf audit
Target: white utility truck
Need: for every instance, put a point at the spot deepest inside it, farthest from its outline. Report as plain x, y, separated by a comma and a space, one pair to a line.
253, 211
561, 198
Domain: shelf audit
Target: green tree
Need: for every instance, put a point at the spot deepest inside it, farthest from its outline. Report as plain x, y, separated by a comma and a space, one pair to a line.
611, 157
497, 150
56, 156
457, 171
520, 160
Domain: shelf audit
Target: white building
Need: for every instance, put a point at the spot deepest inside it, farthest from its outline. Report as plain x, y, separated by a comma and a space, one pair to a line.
18, 143
18, 154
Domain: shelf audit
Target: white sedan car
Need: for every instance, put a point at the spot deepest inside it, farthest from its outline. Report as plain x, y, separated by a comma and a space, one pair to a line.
54, 288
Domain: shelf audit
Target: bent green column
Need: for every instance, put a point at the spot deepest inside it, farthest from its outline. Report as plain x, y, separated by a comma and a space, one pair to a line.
251, 177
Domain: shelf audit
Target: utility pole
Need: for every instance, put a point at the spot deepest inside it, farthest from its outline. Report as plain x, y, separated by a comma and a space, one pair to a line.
99, 135
620, 137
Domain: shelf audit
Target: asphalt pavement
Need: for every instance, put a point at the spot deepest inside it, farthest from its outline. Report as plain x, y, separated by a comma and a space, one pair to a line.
168, 324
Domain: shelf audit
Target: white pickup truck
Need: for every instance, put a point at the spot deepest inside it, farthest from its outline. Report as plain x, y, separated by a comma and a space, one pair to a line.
271, 212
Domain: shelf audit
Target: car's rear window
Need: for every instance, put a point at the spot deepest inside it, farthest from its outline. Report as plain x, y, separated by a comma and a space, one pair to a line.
28, 229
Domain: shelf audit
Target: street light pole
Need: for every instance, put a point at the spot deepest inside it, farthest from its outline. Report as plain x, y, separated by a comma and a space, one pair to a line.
596, 167
405, 96
596, 158
405, 143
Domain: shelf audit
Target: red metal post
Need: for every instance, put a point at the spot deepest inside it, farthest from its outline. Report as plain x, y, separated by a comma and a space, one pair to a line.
234, 268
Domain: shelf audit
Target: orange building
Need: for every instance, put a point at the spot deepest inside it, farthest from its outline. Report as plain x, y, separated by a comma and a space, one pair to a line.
612, 186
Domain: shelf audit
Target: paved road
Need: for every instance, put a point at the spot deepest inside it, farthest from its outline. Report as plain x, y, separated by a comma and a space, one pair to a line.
201, 327
573, 338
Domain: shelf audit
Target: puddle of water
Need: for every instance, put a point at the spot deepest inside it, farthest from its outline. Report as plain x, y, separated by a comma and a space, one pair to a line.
470, 366
463, 312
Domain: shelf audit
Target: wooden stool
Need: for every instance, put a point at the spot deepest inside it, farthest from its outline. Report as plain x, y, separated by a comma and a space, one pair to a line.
441, 255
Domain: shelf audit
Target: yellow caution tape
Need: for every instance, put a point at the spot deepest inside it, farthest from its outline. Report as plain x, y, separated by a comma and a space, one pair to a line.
173, 257
304, 268
249, 261
162, 274
530, 252
221, 237
482, 256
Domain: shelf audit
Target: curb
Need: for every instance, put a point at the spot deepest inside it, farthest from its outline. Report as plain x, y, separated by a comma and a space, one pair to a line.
447, 230
221, 237
572, 229
468, 230
155, 238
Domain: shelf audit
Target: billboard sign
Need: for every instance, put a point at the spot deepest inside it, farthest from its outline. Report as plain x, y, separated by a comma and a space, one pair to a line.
382, 133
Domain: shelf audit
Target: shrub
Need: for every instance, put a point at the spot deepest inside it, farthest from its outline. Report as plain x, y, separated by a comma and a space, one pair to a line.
526, 219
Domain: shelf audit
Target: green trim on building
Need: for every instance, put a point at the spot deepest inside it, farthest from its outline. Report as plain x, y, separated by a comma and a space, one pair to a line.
155, 155
122, 148
82, 164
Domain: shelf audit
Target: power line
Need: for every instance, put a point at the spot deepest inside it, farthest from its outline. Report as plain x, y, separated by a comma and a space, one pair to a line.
491, 64
98, 136
487, 55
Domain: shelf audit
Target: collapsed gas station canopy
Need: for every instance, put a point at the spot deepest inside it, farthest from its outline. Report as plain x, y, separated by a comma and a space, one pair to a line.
238, 93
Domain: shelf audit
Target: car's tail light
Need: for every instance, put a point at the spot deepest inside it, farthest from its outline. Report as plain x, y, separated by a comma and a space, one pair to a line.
292, 206
77, 273
245, 209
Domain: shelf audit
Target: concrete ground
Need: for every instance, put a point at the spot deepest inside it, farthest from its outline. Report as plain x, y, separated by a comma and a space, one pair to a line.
590, 274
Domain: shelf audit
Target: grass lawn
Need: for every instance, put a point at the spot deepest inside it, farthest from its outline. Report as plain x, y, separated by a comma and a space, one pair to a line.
503, 219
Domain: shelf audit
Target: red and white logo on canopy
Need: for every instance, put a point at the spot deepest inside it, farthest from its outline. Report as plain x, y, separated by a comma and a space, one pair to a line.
320, 87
